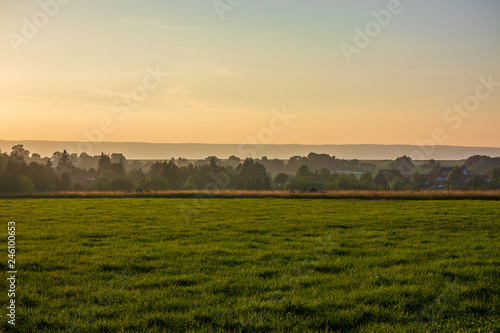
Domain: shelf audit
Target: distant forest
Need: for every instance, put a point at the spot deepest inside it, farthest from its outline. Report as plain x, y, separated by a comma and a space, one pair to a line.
23, 172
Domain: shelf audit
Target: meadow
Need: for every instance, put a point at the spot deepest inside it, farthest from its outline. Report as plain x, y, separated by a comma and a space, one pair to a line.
253, 265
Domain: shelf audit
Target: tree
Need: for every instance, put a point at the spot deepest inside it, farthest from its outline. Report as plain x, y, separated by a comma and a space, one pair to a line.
73, 158
437, 166
24, 184
495, 175
103, 181
3, 164
324, 175
366, 180
18, 152
249, 172
294, 163
319, 161
233, 161
118, 168
117, 158
477, 182
397, 184
64, 160
347, 182
258, 183
190, 183
481, 164
107, 175
403, 164
304, 174
158, 184
281, 178
137, 174
418, 182
56, 156
384, 179
39, 176
213, 160
170, 171
14, 166
65, 182
368, 167
380, 180
454, 175
120, 184
104, 163
304, 179
495, 178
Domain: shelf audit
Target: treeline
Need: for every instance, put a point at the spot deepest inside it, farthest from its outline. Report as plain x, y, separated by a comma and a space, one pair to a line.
21, 172
20, 175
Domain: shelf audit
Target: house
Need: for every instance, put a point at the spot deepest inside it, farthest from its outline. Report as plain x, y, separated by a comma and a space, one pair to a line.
429, 178
441, 176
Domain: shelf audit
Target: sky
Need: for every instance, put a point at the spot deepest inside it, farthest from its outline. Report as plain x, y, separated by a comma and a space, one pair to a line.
251, 71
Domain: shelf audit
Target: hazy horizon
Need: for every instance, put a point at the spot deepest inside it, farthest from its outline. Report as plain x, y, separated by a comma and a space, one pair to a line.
236, 143
254, 72
160, 151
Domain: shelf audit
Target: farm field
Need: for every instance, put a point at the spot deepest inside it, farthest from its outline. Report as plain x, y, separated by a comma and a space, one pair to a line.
253, 265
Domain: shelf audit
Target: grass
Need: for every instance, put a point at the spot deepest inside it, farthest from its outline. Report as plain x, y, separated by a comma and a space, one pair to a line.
254, 265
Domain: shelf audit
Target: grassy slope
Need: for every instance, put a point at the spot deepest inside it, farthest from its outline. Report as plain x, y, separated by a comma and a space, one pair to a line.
255, 265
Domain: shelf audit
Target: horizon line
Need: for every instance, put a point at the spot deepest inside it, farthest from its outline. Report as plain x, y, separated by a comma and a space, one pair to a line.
239, 144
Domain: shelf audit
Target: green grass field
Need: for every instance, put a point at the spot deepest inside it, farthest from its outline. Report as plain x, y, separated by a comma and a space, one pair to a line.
253, 265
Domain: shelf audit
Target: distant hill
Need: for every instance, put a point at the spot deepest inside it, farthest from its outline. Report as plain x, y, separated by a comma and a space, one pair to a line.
161, 151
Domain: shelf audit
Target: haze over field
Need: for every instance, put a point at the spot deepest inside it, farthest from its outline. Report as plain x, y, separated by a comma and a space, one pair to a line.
159, 151
347, 72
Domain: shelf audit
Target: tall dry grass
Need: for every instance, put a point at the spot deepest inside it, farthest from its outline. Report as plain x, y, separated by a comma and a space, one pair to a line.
350, 194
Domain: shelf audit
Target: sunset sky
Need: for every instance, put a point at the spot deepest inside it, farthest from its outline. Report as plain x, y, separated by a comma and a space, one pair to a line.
227, 76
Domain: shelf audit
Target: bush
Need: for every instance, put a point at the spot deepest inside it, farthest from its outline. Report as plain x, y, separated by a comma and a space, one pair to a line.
24, 184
